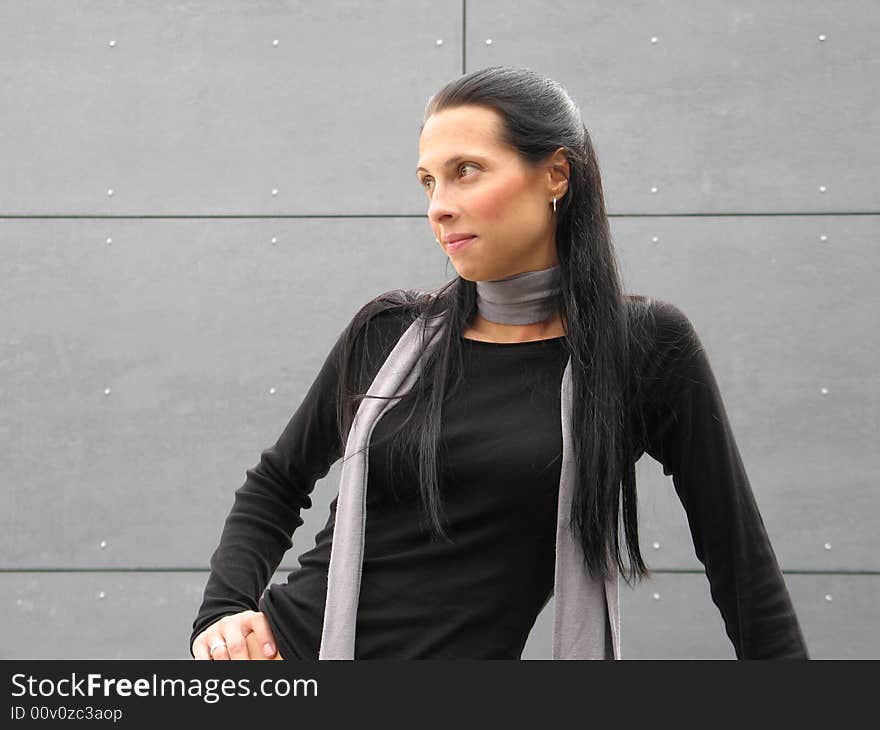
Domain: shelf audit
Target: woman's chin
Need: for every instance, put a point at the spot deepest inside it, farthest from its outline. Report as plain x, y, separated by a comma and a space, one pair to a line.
469, 275
467, 269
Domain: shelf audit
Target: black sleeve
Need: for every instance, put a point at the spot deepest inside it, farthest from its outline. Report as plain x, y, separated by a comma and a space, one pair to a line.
690, 435
266, 508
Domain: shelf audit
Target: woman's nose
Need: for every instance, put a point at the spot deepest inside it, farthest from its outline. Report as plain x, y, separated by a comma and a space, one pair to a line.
439, 207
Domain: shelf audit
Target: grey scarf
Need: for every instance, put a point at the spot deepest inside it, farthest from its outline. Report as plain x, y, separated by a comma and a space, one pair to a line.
586, 615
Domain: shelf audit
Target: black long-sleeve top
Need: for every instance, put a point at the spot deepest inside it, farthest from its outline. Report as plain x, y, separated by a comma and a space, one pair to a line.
501, 446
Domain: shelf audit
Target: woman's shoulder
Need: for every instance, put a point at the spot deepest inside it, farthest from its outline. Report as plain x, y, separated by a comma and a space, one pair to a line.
379, 323
666, 347
390, 311
658, 319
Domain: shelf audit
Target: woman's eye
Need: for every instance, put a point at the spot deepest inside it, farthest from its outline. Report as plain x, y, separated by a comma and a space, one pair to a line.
426, 180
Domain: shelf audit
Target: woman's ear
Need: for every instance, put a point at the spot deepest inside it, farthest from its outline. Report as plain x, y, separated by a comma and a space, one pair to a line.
559, 171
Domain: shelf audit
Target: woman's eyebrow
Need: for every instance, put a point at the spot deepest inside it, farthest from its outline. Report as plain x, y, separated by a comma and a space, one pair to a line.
451, 161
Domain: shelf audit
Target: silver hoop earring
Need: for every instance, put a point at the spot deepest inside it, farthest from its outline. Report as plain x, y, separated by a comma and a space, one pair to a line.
554, 203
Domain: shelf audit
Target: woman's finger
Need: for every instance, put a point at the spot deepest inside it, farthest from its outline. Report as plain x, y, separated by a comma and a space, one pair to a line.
200, 649
217, 648
255, 651
265, 639
236, 646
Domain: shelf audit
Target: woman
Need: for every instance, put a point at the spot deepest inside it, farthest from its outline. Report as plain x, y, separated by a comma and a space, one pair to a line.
463, 537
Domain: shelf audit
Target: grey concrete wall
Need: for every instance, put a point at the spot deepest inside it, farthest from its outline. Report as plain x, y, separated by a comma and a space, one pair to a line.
156, 338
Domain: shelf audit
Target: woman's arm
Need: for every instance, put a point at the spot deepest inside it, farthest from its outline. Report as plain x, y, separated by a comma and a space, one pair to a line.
689, 433
266, 508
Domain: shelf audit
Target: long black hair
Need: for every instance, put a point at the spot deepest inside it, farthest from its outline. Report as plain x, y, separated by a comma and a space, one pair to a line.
538, 116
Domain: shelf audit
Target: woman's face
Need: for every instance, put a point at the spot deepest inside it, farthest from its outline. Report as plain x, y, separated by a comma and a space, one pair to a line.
477, 186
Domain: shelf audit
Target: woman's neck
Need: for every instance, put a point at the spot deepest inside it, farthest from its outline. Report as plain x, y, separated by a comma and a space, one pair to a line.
486, 331
518, 308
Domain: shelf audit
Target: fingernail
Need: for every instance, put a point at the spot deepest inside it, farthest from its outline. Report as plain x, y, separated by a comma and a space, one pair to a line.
269, 650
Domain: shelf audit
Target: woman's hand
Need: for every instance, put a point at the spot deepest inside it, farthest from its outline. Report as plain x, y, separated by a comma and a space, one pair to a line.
242, 635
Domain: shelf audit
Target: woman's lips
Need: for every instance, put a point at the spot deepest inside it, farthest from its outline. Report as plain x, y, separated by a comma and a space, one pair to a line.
457, 246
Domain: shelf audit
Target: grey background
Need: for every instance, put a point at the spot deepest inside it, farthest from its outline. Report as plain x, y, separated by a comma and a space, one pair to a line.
155, 340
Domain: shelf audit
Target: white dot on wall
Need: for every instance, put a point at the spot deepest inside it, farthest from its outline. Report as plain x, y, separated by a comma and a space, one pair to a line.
828, 597
439, 41
106, 391
110, 191
271, 391
488, 41
103, 544
824, 391
822, 188
827, 545
654, 39
654, 190
656, 546
109, 240
274, 240
656, 596
101, 594
274, 191
112, 43
822, 37
274, 43
654, 239
823, 238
